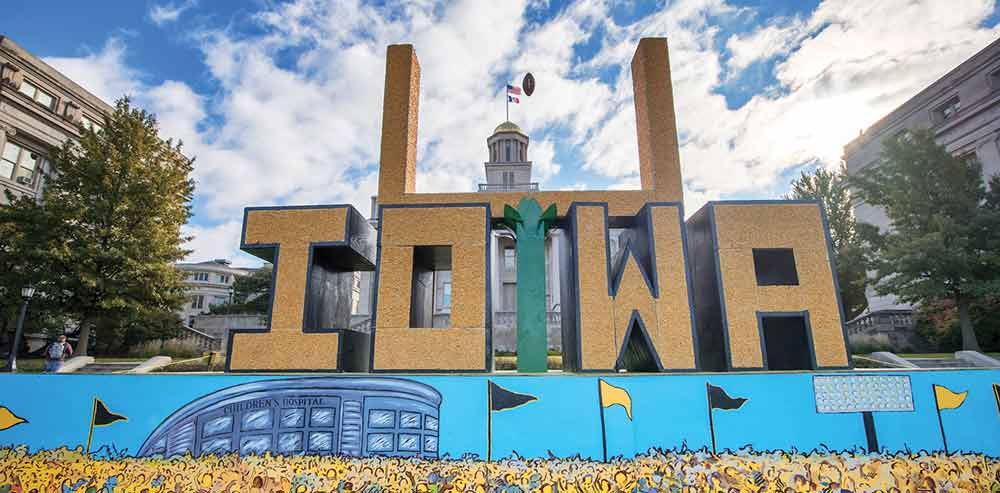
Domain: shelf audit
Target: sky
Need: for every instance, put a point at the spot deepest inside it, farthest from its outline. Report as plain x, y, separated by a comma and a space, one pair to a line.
279, 102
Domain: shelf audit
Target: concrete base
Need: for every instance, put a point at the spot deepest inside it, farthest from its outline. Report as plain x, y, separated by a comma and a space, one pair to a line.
977, 359
892, 360
75, 363
151, 364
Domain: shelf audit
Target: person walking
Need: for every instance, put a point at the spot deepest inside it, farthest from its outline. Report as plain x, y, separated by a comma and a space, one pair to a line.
56, 354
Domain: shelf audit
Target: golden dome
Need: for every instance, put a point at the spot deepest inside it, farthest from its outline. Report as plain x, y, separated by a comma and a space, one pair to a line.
508, 126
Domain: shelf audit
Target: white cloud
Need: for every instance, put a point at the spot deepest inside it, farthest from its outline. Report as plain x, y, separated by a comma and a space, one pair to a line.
105, 73
216, 242
169, 12
772, 40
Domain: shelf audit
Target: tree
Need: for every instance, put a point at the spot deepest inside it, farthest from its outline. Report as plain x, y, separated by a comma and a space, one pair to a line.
251, 294
112, 210
849, 250
22, 262
943, 242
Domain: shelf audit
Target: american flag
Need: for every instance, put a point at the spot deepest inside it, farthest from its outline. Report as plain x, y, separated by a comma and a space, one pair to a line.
513, 90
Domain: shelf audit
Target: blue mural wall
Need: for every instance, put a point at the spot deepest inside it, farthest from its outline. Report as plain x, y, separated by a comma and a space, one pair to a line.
533, 416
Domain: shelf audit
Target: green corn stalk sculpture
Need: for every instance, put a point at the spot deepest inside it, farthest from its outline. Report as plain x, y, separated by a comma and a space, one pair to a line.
530, 225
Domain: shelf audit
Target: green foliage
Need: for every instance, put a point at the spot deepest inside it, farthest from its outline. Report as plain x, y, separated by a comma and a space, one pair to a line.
944, 239
128, 330
103, 240
850, 251
939, 324
177, 351
251, 294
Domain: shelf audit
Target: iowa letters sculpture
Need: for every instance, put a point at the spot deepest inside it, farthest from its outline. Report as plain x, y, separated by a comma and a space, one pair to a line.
738, 285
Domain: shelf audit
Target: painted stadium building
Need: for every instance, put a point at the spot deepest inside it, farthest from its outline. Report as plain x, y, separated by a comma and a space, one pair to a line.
315, 416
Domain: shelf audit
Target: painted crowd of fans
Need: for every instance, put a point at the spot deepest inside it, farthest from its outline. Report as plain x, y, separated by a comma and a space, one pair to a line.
68, 471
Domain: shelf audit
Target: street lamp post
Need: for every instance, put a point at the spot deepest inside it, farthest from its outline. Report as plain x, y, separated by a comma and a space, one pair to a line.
26, 293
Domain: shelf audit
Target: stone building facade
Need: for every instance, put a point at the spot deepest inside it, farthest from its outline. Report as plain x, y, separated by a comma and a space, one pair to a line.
208, 284
40, 109
962, 108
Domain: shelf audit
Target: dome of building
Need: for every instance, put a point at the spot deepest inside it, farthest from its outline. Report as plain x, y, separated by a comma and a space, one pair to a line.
508, 126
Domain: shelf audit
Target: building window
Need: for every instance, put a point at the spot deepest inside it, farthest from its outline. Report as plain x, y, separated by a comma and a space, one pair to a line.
946, 110
289, 442
509, 259
508, 296
218, 300
508, 150
380, 418
445, 296
409, 442
198, 302
775, 267
994, 79
320, 441
430, 443
380, 442
200, 276
258, 419
90, 124
322, 417
409, 420
19, 164
37, 94
222, 424
293, 418
223, 278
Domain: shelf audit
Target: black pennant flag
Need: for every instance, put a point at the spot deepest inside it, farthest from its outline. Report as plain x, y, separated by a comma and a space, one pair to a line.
501, 398
996, 395
104, 417
719, 399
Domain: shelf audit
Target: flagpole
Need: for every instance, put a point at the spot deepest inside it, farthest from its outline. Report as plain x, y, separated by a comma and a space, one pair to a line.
937, 405
93, 414
711, 421
506, 98
489, 422
604, 433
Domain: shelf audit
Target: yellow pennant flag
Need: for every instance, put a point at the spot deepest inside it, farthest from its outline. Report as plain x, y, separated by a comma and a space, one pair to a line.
947, 399
611, 395
9, 419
